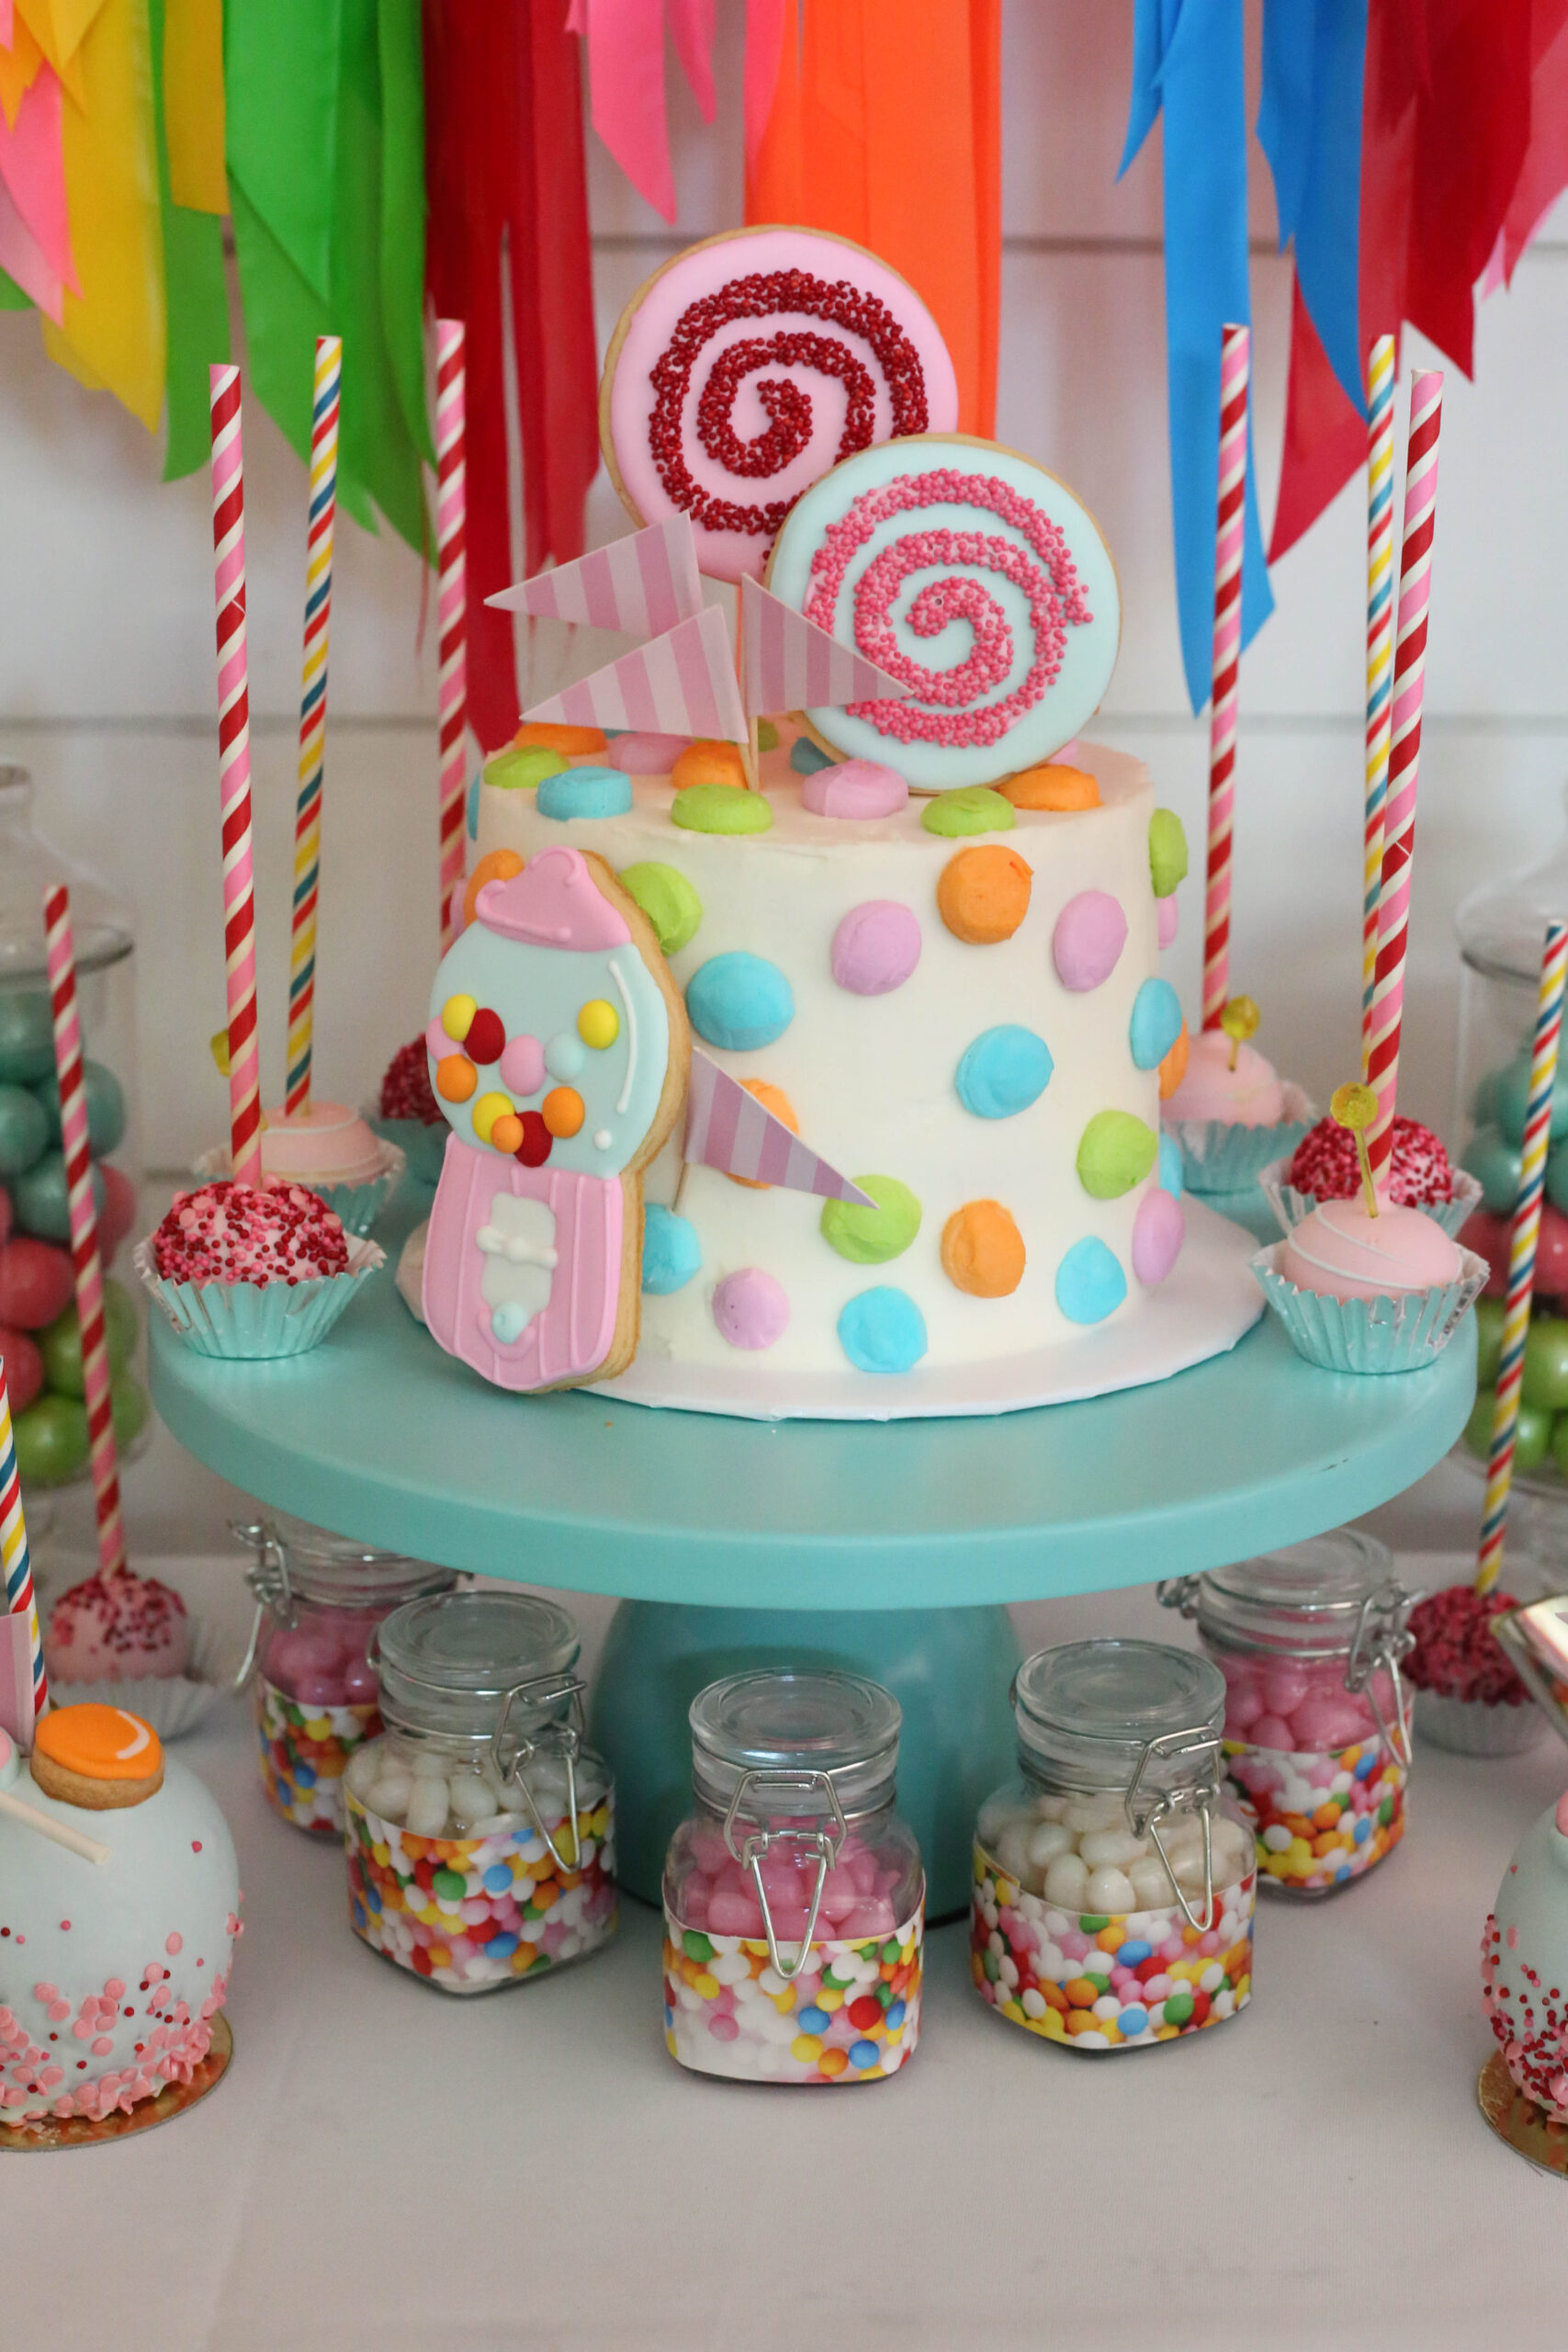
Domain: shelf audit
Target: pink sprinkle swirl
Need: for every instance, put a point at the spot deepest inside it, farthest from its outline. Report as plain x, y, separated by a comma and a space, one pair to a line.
1041, 570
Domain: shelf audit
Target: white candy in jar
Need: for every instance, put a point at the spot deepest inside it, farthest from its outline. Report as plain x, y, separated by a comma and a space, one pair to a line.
1080, 1853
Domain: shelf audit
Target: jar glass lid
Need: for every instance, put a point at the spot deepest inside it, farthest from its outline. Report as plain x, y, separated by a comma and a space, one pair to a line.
1090, 1710
450, 1660
1306, 1598
338, 1571
768, 1721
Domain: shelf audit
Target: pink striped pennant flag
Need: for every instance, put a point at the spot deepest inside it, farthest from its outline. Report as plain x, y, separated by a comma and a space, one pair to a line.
788, 663
643, 585
728, 1129
682, 684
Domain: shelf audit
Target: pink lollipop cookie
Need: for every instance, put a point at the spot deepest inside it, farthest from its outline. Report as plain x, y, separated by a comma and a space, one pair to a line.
748, 366
559, 1050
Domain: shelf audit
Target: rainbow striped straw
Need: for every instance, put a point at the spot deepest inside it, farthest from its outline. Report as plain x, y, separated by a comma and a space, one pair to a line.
96, 1381
451, 515
1236, 346
234, 775
1522, 1239
15, 1561
312, 720
1379, 655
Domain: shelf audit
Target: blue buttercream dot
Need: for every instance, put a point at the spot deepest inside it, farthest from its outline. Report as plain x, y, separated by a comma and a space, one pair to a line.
671, 1250
1170, 1176
1155, 1023
585, 792
1090, 1282
806, 757
740, 1001
474, 807
883, 1330
1003, 1072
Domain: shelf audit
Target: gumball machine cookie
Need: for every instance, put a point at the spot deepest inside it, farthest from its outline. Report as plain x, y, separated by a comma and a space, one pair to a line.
1310, 1641
318, 1601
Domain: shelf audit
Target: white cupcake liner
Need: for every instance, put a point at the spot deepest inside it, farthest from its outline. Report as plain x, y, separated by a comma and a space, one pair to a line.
174, 1705
356, 1206
1369, 1335
1475, 1726
250, 1322
424, 1147
1220, 1156
1290, 1206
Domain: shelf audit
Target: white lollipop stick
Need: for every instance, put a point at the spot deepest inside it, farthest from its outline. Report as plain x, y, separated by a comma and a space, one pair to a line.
89, 1848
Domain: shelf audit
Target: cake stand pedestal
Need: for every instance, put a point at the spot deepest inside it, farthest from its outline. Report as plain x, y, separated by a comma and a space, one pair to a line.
891, 1546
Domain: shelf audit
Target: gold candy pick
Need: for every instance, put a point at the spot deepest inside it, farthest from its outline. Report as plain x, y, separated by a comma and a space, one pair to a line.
1356, 1107
1239, 1020
218, 1045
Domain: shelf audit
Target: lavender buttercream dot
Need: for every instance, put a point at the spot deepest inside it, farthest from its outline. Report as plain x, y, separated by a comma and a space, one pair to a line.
1090, 933
1166, 917
855, 788
1158, 1231
876, 948
750, 1308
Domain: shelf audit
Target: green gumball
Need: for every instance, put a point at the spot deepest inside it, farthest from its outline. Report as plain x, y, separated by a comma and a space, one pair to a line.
1489, 1319
130, 1407
1511, 1099
27, 1037
60, 1341
51, 1442
1532, 1438
106, 1108
24, 1130
1494, 1164
43, 1206
1560, 1443
1546, 1363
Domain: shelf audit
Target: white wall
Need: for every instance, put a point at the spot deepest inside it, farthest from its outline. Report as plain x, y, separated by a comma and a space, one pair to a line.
105, 632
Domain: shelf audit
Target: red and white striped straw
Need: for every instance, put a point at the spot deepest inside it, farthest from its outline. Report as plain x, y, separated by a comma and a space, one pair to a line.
1403, 758
1236, 346
73, 1137
451, 515
234, 775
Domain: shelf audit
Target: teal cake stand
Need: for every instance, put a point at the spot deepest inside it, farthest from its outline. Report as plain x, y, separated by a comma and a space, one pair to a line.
888, 1546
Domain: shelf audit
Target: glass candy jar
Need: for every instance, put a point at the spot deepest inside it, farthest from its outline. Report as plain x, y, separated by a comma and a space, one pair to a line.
1317, 1715
481, 1834
319, 1600
794, 1894
1114, 1880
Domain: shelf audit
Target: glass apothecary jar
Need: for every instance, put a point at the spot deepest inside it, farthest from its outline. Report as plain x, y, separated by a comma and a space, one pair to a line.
38, 1298
1114, 1880
1309, 1640
794, 1894
480, 1833
319, 1600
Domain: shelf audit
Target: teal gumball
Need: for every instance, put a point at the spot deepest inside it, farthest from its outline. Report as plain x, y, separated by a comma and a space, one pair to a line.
1546, 1363
1511, 1099
106, 1107
24, 1130
1489, 1315
27, 1037
1557, 1177
51, 1442
42, 1205
129, 1406
1494, 1164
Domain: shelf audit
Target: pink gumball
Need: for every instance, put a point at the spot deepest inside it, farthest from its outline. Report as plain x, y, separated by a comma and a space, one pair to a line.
1243, 1704
1551, 1252
37, 1282
1272, 1731
734, 1915
118, 1216
24, 1367
359, 1684
1329, 1719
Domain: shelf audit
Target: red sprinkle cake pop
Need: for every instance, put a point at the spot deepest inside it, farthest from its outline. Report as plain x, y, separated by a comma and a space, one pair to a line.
233, 1233
1325, 1164
1457, 1655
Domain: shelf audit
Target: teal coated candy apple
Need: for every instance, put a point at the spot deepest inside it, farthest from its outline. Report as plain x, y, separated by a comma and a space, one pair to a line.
1489, 1315
1546, 1363
43, 1206
1532, 1440
51, 1442
1494, 1164
27, 1037
61, 1341
129, 1407
24, 1129
1511, 1097
106, 1107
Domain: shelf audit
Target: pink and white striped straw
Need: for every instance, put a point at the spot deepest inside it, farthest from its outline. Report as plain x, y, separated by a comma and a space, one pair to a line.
234, 774
451, 518
1236, 346
75, 1138
1403, 759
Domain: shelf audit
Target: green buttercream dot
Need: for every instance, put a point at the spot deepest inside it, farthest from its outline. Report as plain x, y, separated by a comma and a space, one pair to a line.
669, 901
1168, 851
721, 809
870, 1237
524, 768
973, 809
1117, 1152
767, 735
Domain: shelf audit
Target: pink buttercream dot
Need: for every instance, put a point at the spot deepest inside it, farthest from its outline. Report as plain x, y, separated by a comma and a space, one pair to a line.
523, 1065
855, 788
174, 1944
1158, 1231
1090, 933
438, 1043
876, 948
1166, 919
645, 754
750, 1308
102, 2046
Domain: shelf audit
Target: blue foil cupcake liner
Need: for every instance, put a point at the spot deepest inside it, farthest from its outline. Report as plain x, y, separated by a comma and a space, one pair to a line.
355, 1206
250, 1322
424, 1147
1219, 1156
1290, 1206
1369, 1335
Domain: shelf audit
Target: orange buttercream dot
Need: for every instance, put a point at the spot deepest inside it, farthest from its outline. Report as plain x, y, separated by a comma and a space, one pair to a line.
455, 1078
1050, 786
506, 1133
982, 1251
983, 895
571, 742
562, 1111
101, 1743
496, 866
773, 1099
1173, 1069
705, 762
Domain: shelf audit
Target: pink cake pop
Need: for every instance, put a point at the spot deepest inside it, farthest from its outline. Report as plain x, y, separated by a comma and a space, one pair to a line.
1226, 1078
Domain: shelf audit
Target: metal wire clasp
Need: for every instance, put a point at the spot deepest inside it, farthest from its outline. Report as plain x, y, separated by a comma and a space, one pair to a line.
1382, 1639
1179, 1593
825, 1844
513, 1750
1144, 1814
268, 1577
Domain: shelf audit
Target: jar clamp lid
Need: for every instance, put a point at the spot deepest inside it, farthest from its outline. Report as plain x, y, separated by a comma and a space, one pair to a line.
826, 1742
293, 1561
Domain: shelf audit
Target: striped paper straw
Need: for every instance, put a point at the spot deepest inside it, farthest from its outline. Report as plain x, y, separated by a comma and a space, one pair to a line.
234, 774
83, 1226
312, 720
1522, 1239
451, 511
1236, 346
1379, 654
1403, 759
15, 1561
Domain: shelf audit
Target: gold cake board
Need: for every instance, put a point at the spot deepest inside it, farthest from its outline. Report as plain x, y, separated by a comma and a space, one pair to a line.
47, 2134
